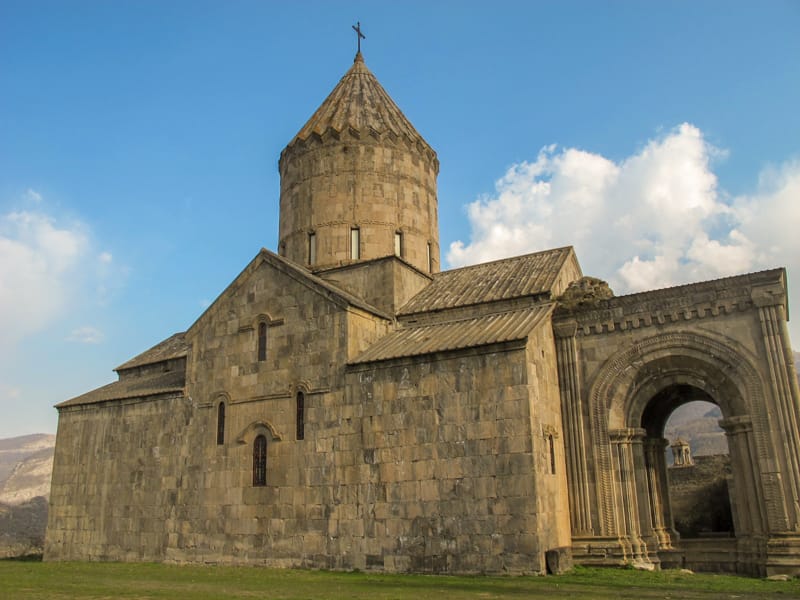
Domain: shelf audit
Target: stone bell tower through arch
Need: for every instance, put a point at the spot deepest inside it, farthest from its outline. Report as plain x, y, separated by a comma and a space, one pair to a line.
358, 183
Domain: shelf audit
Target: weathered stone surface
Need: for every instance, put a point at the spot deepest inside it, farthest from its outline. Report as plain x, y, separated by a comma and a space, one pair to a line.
559, 560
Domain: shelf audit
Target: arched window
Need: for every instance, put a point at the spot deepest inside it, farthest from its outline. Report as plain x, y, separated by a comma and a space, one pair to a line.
301, 415
260, 461
262, 341
221, 424
398, 243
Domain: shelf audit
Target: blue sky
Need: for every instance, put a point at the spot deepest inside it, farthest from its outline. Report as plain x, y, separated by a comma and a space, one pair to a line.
139, 144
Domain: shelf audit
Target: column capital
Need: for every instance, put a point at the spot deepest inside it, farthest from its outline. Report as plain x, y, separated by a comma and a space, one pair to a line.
768, 295
626, 435
655, 443
737, 424
565, 329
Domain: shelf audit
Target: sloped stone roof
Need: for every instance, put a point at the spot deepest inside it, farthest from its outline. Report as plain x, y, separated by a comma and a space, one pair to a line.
526, 275
133, 387
455, 335
174, 346
359, 102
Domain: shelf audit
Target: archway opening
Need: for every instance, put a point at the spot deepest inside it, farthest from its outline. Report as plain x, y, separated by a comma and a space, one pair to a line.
697, 460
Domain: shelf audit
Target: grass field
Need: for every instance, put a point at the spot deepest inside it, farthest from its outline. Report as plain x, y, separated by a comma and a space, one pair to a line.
21, 580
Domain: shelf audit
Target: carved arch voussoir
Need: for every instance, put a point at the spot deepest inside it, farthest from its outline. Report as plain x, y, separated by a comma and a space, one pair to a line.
615, 387
722, 358
250, 432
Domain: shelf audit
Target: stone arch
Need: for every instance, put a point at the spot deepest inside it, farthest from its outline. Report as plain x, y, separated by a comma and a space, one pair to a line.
624, 419
249, 433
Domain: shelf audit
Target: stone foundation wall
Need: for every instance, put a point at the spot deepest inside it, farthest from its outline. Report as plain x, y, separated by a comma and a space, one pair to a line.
699, 496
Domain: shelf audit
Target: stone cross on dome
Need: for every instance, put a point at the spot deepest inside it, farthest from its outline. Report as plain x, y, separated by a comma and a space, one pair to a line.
359, 36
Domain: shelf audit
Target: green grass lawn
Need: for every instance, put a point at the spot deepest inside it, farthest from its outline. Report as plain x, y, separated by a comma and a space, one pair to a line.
139, 581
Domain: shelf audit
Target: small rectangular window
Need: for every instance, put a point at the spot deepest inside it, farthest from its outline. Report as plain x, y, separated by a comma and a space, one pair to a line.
430, 259
262, 342
398, 243
221, 424
312, 248
301, 416
355, 243
260, 461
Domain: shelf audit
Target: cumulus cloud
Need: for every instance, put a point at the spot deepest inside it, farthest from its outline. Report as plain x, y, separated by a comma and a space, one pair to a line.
655, 219
40, 261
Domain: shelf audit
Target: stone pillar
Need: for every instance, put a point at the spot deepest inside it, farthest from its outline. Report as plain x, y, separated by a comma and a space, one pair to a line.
642, 484
580, 506
658, 490
783, 409
630, 477
747, 501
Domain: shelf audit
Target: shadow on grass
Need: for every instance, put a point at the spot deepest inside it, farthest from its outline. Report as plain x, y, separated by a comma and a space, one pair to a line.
23, 558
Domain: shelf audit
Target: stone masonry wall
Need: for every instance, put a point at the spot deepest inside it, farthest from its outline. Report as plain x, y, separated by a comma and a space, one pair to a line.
117, 472
442, 451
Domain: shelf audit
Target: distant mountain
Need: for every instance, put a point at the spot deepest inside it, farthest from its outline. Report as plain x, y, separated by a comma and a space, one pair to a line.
22, 528
26, 464
697, 423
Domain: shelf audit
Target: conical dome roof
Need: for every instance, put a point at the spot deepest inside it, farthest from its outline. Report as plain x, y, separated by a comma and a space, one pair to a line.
359, 102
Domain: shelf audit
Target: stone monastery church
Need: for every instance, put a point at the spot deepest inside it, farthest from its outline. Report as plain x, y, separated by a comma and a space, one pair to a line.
346, 404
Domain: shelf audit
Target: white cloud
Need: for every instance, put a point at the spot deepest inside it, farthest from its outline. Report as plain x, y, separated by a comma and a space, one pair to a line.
86, 335
105, 258
40, 261
655, 219
33, 196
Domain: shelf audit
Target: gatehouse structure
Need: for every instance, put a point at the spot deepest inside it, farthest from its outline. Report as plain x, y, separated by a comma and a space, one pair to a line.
344, 403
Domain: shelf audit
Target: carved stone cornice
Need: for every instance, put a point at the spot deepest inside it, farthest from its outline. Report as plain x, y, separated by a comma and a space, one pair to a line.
768, 295
708, 299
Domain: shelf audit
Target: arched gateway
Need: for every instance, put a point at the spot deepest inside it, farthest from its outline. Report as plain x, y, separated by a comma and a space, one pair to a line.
626, 364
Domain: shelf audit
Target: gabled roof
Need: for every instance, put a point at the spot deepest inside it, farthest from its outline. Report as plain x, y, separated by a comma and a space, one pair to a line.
319, 284
360, 103
526, 275
299, 274
456, 335
133, 387
174, 346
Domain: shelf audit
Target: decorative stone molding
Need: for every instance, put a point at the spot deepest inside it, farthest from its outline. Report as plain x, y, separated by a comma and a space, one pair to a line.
704, 300
768, 295
584, 293
249, 433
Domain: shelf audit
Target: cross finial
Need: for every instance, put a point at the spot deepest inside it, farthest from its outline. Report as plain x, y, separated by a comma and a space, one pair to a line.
359, 36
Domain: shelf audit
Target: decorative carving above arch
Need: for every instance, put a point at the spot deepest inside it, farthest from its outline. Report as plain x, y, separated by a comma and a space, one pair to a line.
301, 386
250, 432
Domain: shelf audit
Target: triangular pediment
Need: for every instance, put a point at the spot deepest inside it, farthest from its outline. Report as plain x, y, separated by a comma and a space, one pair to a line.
297, 274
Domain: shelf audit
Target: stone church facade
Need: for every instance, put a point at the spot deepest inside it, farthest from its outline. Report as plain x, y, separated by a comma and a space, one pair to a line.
346, 404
